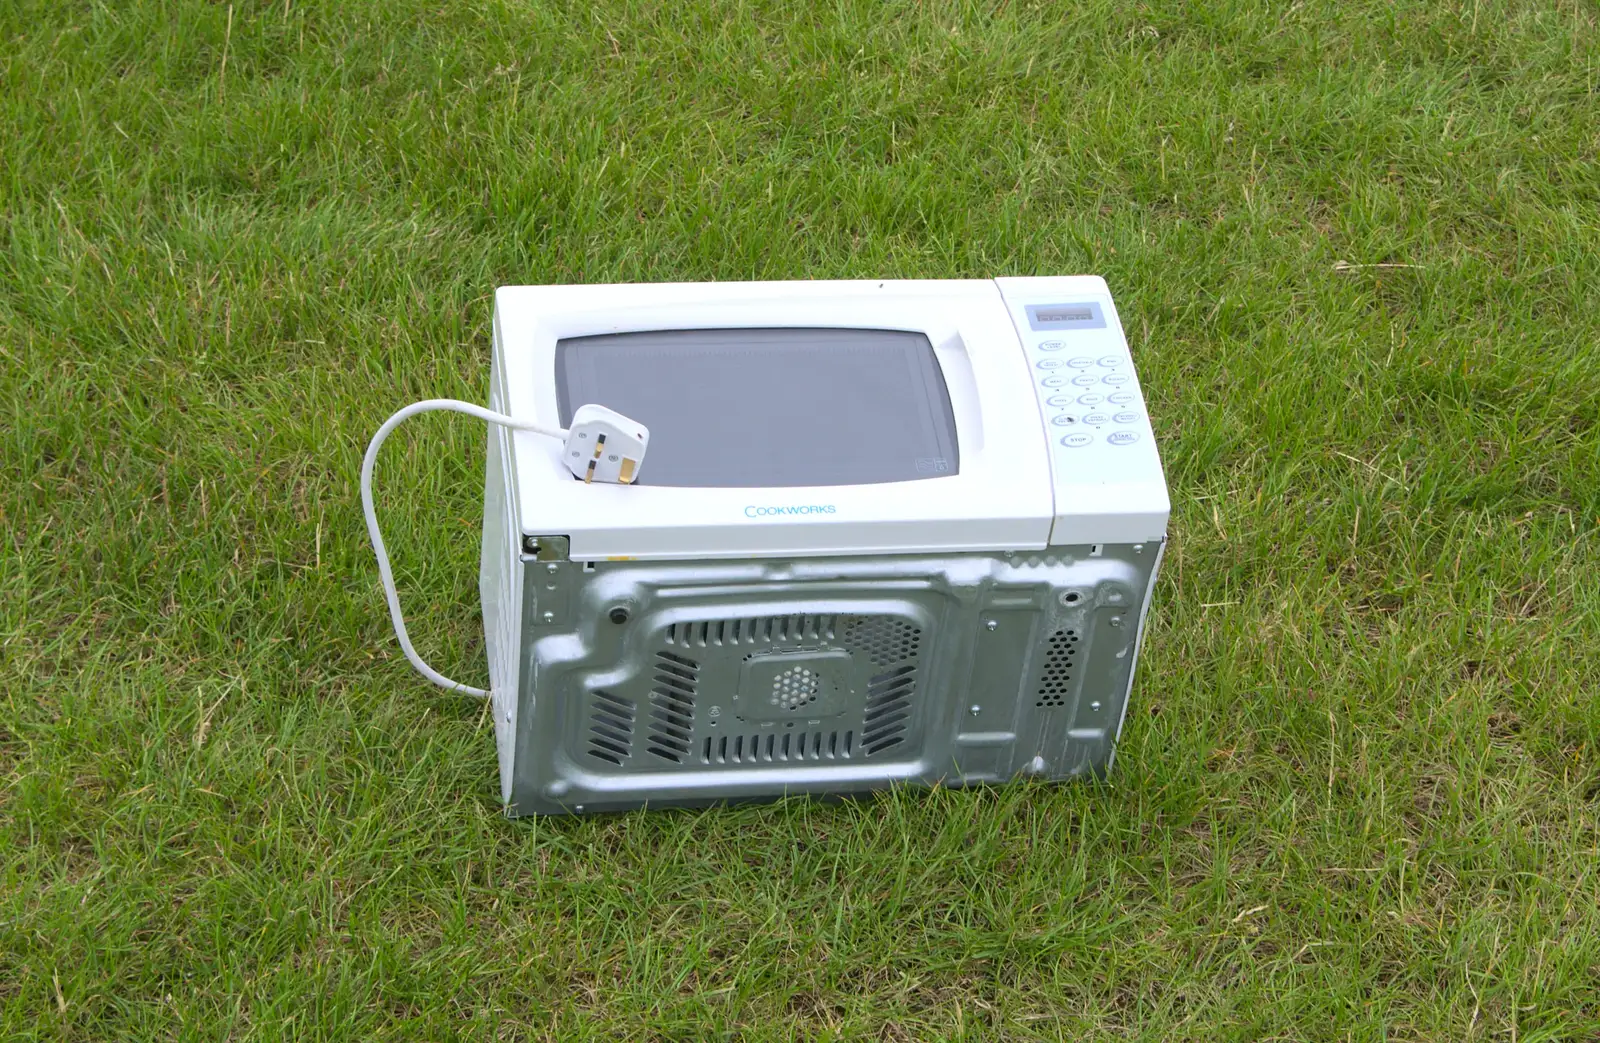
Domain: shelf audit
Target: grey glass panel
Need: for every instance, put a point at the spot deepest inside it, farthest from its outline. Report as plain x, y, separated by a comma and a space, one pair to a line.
770, 407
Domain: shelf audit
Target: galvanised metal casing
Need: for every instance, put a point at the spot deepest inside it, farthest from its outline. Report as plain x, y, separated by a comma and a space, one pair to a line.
685, 645
687, 683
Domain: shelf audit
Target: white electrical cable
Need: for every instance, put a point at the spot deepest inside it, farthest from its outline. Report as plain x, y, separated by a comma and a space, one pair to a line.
387, 575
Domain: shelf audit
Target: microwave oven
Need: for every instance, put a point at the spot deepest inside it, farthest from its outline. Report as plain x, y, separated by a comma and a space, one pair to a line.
883, 532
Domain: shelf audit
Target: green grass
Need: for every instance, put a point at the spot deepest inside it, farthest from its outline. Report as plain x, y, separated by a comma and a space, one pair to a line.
1358, 796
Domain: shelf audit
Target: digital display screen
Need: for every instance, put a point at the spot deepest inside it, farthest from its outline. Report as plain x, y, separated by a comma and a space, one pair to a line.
1072, 315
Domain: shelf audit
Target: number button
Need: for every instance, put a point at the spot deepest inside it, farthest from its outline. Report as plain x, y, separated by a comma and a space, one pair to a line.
1058, 401
1081, 362
1050, 363
1091, 399
1114, 379
1096, 419
1120, 398
1086, 380
1054, 382
1064, 420
1111, 361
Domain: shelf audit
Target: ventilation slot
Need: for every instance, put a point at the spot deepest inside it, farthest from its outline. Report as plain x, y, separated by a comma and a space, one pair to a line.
887, 640
672, 706
1056, 681
777, 747
888, 709
763, 630
610, 727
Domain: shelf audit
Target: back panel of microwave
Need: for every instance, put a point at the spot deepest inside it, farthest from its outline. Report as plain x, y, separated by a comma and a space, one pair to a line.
621, 685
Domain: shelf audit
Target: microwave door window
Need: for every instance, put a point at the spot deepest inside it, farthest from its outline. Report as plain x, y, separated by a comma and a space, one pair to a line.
770, 408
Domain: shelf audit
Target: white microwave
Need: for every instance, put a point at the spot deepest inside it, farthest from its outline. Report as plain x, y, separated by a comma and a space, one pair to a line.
885, 532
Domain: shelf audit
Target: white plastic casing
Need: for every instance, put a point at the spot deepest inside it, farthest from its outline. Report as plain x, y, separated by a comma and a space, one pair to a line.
1018, 487
1104, 466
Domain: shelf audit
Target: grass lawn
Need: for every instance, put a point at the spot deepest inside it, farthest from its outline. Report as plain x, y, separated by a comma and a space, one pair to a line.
1357, 248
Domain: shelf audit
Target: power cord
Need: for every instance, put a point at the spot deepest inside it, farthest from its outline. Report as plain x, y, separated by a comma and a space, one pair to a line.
603, 446
431, 405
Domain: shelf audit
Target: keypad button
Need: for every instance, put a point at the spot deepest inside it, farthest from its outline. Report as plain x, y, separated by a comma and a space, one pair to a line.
1091, 399
1120, 398
1111, 361
1064, 420
1127, 416
1059, 400
1054, 382
1077, 440
1097, 419
1122, 437
1050, 363
1052, 345
1086, 380
1114, 379
1081, 362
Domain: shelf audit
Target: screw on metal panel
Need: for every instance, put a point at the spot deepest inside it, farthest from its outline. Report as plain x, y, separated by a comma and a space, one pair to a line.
619, 615
549, 617
508, 716
552, 567
1095, 705
991, 624
974, 709
530, 544
1116, 621
1138, 548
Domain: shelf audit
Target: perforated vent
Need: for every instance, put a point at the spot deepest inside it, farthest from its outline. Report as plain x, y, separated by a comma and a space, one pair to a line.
886, 640
795, 687
774, 746
1056, 679
816, 664
763, 630
672, 706
610, 727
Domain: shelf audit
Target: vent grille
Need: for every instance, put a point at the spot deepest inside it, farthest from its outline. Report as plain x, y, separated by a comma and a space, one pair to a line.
886, 640
695, 652
672, 706
771, 747
763, 630
610, 727
888, 709
1056, 680
795, 688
